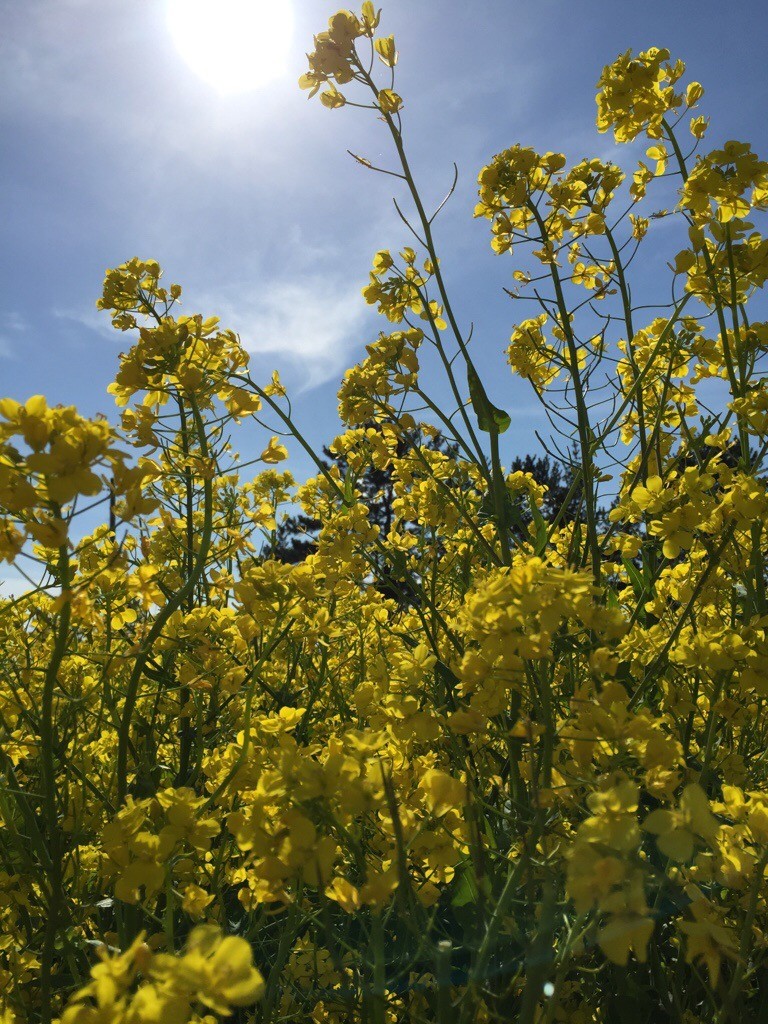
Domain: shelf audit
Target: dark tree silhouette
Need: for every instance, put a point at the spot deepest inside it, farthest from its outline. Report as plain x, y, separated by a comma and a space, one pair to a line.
297, 534
558, 481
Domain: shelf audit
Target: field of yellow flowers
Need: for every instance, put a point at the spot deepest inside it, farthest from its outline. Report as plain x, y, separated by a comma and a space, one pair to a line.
483, 767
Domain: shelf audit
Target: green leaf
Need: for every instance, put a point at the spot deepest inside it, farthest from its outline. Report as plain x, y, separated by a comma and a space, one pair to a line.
489, 418
635, 576
349, 487
511, 511
466, 890
399, 565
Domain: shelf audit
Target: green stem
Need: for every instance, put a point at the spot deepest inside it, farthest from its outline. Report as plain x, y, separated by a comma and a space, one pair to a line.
174, 603
746, 938
426, 227
478, 970
500, 498
582, 411
53, 835
734, 382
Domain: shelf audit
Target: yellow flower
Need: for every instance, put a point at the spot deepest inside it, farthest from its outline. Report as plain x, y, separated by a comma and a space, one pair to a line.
639, 226
215, 970
678, 831
385, 47
345, 894
660, 155
624, 934
195, 900
613, 822
389, 101
651, 497
441, 792
698, 127
637, 92
530, 355
369, 18
707, 938
274, 452
332, 98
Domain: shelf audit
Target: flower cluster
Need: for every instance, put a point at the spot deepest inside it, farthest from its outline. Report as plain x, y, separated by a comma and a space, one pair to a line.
215, 973
425, 738
637, 92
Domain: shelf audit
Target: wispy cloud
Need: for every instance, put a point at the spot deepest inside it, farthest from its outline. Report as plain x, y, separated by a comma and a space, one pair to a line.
13, 321
92, 318
12, 325
312, 321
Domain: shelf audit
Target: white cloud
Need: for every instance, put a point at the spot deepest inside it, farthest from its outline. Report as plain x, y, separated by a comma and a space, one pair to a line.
312, 320
13, 325
14, 322
94, 319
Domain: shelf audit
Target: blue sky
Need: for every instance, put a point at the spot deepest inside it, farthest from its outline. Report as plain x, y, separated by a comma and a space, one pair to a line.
113, 147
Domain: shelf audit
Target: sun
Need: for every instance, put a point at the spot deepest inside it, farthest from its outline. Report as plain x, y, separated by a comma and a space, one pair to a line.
234, 45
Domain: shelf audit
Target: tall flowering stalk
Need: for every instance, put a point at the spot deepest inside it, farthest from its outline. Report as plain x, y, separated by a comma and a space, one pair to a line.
483, 764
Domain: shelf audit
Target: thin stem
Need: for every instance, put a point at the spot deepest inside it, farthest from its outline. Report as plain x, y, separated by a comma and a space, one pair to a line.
173, 604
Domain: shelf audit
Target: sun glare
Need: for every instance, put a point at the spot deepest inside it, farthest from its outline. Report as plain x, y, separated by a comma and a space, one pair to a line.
234, 45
